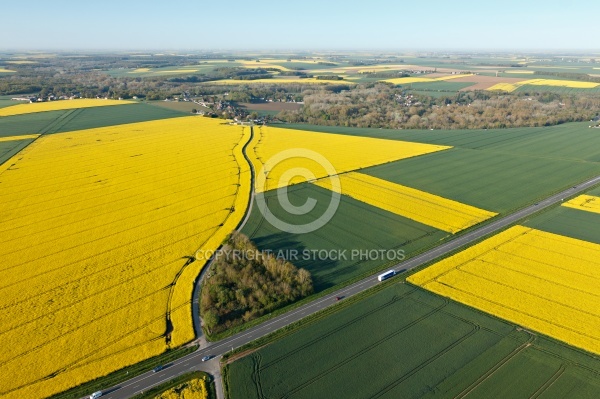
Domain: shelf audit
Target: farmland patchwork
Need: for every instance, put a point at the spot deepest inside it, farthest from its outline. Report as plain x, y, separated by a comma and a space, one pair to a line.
57, 105
542, 281
344, 153
426, 208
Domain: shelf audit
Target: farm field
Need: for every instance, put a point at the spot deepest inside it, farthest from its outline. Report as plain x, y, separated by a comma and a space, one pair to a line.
445, 86
20, 109
416, 79
518, 179
588, 203
7, 103
89, 118
355, 225
556, 89
570, 141
82, 118
17, 138
120, 275
463, 175
193, 69
195, 388
301, 146
409, 355
180, 106
569, 222
429, 209
484, 82
29, 123
542, 281
546, 83
10, 148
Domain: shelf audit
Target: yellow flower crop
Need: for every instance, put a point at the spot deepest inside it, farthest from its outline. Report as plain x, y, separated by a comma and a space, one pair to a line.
509, 87
416, 79
193, 389
588, 203
176, 71
575, 84
57, 105
21, 62
97, 229
542, 281
345, 153
22, 137
426, 208
264, 64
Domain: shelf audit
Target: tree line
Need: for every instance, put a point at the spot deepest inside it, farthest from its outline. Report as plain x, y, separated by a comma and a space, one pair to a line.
385, 106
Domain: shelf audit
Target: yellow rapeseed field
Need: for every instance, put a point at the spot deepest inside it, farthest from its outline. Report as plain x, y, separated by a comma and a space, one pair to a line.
97, 229
416, 79
277, 80
426, 208
272, 64
193, 389
2, 70
176, 71
575, 84
345, 153
57, 105
588, 203
542, 281
22, 137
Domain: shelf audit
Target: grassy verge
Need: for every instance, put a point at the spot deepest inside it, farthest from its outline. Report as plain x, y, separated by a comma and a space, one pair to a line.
157, 390
123, 374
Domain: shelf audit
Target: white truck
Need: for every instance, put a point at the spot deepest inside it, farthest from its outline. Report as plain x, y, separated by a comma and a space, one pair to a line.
386, 275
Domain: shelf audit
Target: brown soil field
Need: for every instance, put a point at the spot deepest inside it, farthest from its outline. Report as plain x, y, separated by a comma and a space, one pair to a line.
274, 106
485, 82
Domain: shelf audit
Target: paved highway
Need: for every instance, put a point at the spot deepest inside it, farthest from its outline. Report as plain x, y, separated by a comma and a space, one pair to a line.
193, 360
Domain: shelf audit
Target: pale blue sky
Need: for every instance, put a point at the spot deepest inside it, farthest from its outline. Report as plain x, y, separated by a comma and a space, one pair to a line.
308, 24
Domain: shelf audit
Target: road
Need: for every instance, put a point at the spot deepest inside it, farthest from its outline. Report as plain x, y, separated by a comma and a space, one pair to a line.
216, 349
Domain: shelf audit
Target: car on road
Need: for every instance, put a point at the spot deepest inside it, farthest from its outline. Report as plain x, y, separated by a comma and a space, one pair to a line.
206, 358
158, 368
96, 395
338, 298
